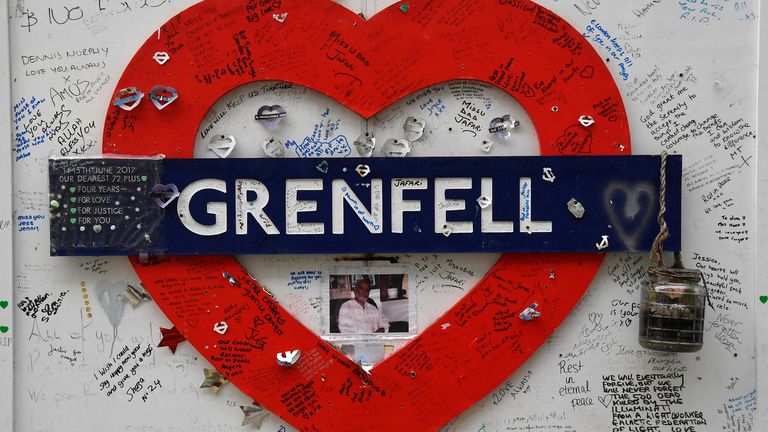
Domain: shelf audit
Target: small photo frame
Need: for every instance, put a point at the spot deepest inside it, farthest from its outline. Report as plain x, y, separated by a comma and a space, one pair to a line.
368, 301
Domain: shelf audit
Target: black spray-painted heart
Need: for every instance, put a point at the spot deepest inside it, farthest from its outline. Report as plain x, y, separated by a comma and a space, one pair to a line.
630, 209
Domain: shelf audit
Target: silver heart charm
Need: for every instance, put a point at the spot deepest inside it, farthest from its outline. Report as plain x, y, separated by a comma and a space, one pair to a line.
280, 17
363, 170
270, 115
164, 194
222, 145
586, 120
502, 126
447, 230
576, 208
128, 98
220, 327
396, 148
273, 147
322, 167
162, 96
603, 243
414, 128
530, 312
483, 201
365, 144
288, 358
161, 57
548, 175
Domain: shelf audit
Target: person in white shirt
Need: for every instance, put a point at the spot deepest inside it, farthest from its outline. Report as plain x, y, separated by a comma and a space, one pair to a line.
359, 316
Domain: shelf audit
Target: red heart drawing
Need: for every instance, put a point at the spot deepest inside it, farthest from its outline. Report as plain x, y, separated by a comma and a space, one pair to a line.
575, 140
366, 66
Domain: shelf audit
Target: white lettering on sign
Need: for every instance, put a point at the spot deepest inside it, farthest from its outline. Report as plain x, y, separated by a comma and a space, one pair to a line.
372, 220
218, 209
342, 193
444, 205
293, 207
255, 207
400, 206
487, 224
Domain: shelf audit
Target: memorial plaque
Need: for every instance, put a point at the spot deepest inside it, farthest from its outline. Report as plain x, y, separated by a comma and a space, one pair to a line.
105, 206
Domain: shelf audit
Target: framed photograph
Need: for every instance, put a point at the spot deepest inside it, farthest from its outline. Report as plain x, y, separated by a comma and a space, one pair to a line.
368, 301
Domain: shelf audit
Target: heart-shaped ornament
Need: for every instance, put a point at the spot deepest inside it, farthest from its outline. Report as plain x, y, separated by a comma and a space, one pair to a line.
273, 147
396, 148
586, 120
164, 194
503, 126
128, 98
443, 367
414, 128
270, 115
365, 144
162, 96
222, 145
161, 57
363, 170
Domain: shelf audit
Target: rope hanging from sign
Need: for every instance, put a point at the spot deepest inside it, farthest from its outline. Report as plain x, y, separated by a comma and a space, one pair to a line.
658, 242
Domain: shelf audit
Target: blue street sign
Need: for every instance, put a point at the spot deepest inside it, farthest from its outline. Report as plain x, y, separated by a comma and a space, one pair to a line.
355, 205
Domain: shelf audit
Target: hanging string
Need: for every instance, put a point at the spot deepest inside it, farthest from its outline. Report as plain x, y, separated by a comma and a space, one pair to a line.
657, 248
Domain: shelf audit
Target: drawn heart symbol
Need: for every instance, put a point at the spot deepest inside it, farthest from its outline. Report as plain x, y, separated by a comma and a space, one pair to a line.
630, 209
763, 299
588, 72
164, 194
4, 304
270, 115
4, 329
605, 400
445, 369
575, 140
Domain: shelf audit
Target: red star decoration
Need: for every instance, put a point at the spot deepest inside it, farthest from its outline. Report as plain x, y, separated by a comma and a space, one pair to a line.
171, 338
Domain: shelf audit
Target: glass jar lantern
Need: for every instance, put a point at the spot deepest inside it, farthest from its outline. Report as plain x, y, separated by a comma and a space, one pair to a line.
672, 310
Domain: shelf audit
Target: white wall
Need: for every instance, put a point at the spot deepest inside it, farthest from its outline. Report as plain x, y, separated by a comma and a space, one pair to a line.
716, 63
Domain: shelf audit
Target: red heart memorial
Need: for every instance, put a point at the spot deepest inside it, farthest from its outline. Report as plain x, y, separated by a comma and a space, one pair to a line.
516, 45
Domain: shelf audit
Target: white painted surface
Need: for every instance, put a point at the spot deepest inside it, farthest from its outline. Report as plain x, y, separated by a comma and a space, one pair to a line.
716, 61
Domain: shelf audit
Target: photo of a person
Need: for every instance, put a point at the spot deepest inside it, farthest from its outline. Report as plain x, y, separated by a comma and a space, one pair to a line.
361, 301
360, 314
